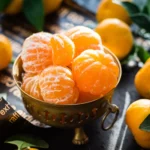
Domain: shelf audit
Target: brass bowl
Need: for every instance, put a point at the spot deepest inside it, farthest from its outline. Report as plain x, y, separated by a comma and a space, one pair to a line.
68, 116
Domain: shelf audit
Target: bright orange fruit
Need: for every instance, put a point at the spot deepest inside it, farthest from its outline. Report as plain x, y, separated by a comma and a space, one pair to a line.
5, 51
37, 52
57, 85
116, 35
63, 50
142, 80
31, 85
95, 72
84, 38
135, 115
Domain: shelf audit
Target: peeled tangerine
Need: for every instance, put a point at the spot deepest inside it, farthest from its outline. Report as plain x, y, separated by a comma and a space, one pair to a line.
95, 72
135, 115
57, 85
86, 97
31, 86
63, 50
84, 38
37, 52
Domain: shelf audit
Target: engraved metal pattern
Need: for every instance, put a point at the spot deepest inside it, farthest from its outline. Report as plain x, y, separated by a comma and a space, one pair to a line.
68, 116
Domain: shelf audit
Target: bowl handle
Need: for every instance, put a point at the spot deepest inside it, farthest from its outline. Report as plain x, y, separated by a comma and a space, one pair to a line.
111, 109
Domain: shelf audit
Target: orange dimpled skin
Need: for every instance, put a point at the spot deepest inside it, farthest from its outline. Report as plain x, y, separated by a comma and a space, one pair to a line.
31, 85
63, 50
57, 85
95, 72
84, 38
37, 53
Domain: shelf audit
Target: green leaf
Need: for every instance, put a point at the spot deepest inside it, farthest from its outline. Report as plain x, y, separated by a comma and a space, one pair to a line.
142, 53
24, 141
142, 20
34, 12
12, 60
131, 8
140, 3
130, 56
145, 125
4, 4
137, 51
146, 8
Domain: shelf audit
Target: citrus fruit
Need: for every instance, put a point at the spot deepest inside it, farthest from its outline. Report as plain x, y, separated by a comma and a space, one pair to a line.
31, 85
135, 115
14, 7
51, 5
95, 72
83, 38
5, 51
142, 80
63, 50
86, 97
33, 149
109, 9
57, 85
116, 35
37, 52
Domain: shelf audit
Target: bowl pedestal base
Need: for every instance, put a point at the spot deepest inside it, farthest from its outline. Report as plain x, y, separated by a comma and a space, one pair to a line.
80, 137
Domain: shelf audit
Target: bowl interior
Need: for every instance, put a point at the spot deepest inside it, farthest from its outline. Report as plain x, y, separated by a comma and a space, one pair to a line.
18, 72
71, 115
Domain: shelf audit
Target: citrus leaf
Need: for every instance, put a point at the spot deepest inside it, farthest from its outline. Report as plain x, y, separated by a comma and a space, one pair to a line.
142, 54
24, 141
34, 12
12, 60
142, 20
146, 9
4, 4
145, 125
140, 3
148, 6
131, 8
130, 56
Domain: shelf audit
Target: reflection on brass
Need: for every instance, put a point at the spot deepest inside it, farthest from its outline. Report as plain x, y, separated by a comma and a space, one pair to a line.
113, 109
80, 137
71, 115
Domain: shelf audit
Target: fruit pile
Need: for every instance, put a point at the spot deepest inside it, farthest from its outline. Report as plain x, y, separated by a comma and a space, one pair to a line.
67, 68
113, 19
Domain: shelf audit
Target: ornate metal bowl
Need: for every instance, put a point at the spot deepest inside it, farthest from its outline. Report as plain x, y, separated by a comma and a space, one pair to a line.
68, 116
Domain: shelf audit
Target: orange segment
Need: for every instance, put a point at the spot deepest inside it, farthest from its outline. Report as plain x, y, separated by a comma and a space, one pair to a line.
37, 53
84, 38
57, 85
31, 85
63, 50
95, 72
86, 97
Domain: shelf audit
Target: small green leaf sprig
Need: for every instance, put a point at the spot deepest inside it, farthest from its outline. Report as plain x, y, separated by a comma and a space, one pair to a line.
145, 125
26, 141
139, 12
32, 9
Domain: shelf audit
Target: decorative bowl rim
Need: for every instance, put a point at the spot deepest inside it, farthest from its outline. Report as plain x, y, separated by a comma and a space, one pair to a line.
77, 104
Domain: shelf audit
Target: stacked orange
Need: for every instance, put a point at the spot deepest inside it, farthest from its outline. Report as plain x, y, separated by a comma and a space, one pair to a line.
67, 68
